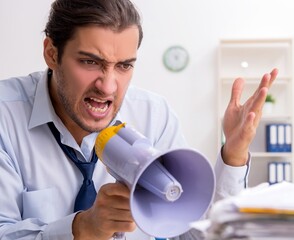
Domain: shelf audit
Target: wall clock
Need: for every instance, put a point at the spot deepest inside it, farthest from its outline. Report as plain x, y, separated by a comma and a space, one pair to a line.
176, 58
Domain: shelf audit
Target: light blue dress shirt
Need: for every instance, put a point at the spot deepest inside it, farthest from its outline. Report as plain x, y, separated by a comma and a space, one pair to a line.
38, 184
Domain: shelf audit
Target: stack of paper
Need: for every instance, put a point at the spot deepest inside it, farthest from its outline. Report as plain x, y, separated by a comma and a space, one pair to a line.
259, 213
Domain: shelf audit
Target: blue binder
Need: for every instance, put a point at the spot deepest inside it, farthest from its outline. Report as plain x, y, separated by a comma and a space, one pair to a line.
279, 137
279, 171
272, 138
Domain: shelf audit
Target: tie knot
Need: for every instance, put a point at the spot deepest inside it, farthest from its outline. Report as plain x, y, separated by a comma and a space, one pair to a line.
88, 181
86, 168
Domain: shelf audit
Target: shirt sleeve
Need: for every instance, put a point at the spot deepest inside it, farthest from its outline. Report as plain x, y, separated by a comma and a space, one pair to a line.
34, 229
59, 230
230, 180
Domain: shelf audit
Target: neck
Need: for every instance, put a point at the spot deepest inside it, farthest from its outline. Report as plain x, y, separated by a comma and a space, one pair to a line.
76, 131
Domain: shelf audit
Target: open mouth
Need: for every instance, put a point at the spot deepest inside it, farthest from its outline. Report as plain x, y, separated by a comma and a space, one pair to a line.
97, 105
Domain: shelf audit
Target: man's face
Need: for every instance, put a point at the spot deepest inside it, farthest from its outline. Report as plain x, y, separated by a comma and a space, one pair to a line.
93, 76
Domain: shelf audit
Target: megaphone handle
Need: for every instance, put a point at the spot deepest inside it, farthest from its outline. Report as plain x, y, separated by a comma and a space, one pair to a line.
119, 236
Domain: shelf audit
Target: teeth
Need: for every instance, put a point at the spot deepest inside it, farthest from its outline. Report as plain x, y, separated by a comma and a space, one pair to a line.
100, 110
97, 100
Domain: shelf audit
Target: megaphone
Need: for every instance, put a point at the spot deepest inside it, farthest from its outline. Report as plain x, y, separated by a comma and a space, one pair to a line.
168, 190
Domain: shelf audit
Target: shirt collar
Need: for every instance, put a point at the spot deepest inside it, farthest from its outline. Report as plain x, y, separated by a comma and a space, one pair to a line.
43, 110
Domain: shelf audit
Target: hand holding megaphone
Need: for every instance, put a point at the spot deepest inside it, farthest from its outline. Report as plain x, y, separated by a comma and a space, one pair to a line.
168, 190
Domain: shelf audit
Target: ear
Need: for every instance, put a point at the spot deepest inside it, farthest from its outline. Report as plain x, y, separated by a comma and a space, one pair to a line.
50, 53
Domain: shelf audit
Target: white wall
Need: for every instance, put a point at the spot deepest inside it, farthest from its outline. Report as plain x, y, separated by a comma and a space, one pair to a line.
196, 25
21, 30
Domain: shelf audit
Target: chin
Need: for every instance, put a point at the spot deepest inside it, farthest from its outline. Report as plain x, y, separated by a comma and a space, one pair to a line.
100, 124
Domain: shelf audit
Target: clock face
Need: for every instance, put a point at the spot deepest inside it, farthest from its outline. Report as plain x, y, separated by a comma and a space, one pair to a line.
176, 58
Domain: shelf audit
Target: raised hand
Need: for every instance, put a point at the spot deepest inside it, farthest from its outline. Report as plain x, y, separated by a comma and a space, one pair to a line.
241, 121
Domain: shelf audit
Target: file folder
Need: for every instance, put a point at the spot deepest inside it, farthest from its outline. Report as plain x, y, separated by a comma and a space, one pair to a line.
279, 172
271, 138
279, 137
288, 137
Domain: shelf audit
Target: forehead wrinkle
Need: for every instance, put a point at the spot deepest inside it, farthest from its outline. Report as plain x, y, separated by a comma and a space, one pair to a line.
93, 56
100, 59
106, 45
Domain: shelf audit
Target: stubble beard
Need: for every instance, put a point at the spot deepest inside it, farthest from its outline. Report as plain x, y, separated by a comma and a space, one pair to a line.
68, 105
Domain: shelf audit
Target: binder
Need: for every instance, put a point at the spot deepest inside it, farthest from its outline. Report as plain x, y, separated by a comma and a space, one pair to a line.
279, 171
288, 138
279, 137
272, 174
271, 138
287, 172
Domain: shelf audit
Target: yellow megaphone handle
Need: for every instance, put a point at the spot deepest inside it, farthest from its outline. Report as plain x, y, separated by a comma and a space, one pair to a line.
104, 136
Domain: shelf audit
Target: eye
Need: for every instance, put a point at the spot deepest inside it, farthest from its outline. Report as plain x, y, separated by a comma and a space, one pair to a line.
92, 64
125, 66
88, 61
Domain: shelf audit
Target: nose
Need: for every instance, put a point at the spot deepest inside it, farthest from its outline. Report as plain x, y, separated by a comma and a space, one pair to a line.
107, 83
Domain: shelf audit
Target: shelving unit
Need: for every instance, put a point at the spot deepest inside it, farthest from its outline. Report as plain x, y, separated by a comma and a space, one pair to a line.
251, 59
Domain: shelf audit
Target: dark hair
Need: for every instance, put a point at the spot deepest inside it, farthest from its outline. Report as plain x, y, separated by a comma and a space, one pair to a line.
67, 15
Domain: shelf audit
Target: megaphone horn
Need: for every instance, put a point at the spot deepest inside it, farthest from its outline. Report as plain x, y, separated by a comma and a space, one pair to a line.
169, 190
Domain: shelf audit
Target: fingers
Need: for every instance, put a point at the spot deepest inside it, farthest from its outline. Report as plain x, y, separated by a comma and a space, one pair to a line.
110, 213
274, 74
113, 202
249, 125
256, 101
116, 189
236, 92
259, 96
267, 80
114, 197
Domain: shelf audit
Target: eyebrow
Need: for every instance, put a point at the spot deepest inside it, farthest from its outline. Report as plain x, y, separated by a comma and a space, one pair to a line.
99, 59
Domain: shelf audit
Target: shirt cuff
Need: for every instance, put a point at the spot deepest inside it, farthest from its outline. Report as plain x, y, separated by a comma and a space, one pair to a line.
230, 180
60, 230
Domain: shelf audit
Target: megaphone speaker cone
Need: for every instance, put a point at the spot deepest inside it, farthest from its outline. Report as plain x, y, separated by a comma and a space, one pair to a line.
161, 218
168, 190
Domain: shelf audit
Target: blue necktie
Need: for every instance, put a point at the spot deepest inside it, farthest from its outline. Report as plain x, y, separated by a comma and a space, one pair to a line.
87, 193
